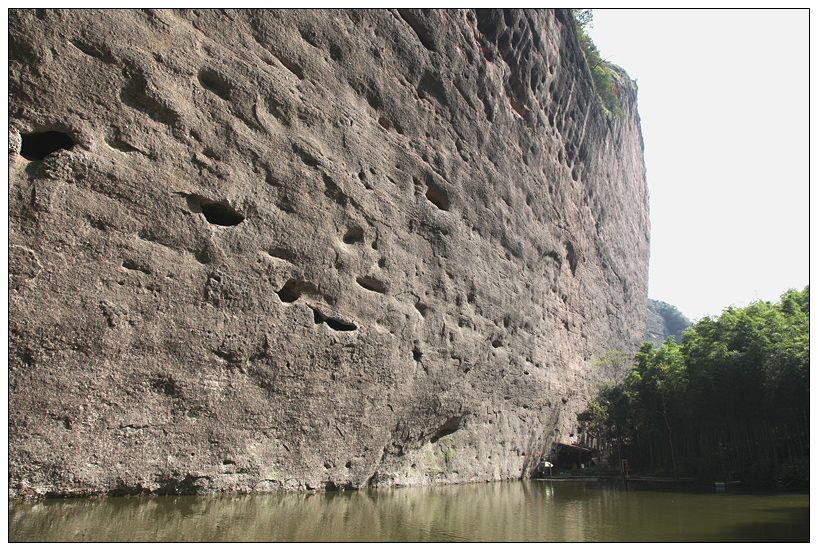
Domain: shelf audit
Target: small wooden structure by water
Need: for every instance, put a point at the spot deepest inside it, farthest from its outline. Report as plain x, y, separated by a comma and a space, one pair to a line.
569, 460
572, 457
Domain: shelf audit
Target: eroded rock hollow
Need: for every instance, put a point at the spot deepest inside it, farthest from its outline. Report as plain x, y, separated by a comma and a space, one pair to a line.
265, 250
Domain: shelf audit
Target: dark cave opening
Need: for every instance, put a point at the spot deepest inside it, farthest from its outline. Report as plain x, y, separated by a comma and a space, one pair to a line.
221, 214
38, 145
450, 426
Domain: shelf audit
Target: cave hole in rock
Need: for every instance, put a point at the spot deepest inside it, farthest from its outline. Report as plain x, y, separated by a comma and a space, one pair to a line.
221, 214
38, 145
333, 191
572, 257
291, 291
332, 323
355, 234
214, 82
371, 284
282, 253
307, 158
336, 53
338, 325
292, 66
133, 265
447, 428
437, 196
218, 213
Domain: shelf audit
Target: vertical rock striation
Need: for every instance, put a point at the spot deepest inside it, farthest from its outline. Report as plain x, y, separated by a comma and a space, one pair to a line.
268, 250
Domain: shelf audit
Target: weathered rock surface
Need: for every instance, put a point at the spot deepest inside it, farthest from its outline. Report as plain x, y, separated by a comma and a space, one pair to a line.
655, 331
309, 249
664, 320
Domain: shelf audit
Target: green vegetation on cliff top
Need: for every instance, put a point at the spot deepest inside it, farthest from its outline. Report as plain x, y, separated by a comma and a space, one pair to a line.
608, 78
675, 321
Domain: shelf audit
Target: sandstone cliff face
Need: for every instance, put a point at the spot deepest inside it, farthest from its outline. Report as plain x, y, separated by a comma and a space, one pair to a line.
655, 331
309, 249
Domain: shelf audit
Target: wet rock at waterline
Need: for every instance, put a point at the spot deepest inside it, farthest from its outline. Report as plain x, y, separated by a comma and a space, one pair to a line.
256, 251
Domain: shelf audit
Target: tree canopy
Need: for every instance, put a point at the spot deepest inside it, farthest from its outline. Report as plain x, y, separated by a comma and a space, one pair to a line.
732, 401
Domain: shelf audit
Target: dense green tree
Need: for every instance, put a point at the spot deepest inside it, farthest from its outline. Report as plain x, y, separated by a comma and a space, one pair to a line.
731, 402
583, 17
613, 365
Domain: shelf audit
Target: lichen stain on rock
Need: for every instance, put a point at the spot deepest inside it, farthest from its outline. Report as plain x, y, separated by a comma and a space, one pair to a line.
268, 250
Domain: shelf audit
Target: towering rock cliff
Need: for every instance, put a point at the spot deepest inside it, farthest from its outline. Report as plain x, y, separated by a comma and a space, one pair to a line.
264, 250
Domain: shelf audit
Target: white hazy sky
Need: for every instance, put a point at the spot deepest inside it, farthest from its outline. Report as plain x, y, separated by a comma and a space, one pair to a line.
724, 103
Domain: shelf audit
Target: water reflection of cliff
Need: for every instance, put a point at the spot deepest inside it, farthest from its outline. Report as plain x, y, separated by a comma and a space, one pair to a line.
495, 511
513, 511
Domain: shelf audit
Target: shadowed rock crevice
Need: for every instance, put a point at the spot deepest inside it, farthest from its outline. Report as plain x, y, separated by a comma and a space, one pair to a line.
424, 33
371, 283
291, 291
355, 234
36, 146
437, 195
221, 214
214, 82
218, 213
449, 427
571, 255
333, 323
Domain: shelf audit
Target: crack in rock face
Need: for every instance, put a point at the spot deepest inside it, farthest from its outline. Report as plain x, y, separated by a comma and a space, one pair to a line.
281, 250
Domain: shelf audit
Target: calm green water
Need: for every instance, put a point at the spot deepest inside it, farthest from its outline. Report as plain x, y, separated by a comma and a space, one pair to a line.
509, 511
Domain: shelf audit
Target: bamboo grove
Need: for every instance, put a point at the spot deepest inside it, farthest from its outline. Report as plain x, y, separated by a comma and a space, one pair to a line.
730, 403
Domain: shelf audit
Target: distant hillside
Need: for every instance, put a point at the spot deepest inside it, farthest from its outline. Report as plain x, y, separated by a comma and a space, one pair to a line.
664, 320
